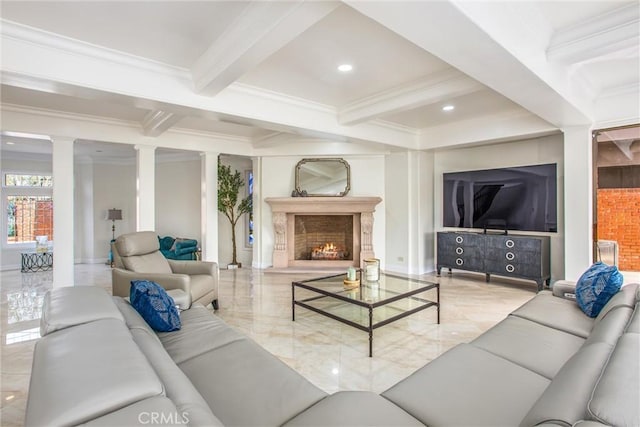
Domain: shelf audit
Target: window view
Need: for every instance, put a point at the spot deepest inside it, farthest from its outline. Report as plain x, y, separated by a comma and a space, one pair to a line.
617, 197
29, 212
15, 180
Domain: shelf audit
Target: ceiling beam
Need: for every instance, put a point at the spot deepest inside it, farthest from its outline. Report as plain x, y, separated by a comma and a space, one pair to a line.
261, 30
76, 68
156, 122
429, 90
605, 34
493, 43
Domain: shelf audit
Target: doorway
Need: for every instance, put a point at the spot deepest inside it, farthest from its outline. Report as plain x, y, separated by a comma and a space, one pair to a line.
617, 198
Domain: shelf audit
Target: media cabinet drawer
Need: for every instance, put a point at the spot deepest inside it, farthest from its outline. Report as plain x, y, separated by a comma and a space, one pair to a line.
513, 269
511, 256
462, 262
515, 243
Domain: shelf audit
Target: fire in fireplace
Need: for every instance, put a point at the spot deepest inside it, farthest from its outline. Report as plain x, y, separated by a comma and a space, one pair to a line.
323, 237
329, 251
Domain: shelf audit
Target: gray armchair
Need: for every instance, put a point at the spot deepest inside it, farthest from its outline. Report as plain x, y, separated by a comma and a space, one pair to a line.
137, 256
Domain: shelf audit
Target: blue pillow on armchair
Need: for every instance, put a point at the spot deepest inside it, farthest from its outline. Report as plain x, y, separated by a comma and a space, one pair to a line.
596, 286
155, 306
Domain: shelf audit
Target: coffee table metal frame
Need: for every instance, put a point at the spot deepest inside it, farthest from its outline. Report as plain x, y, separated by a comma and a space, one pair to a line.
371, 306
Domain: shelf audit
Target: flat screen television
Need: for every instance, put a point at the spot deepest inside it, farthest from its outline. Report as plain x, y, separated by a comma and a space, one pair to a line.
515, 198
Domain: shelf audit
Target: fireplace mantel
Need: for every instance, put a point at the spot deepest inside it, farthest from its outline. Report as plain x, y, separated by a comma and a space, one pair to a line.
284, 210
321, 205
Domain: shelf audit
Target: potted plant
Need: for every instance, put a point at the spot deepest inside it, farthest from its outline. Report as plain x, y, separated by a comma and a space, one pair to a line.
229, 185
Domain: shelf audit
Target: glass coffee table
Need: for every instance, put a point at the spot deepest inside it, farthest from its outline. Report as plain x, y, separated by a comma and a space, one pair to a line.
369, 305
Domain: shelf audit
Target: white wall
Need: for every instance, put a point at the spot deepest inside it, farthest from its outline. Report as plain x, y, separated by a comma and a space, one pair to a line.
520, 153
244, 253
114, 187
409, 212
367, 179
178, 199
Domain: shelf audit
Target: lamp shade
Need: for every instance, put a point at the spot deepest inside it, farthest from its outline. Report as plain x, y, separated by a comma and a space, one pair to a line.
114, 214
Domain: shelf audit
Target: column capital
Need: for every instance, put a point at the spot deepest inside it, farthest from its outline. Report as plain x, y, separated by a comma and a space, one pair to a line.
60, 138
209, 153
140, 147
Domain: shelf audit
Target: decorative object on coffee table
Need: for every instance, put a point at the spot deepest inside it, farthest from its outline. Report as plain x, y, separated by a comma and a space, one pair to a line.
229, 184
372, 269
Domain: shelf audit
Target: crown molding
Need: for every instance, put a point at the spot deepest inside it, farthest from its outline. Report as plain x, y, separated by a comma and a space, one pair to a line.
36, 36
620, 90
279, 97
599, 35
428, 90
68, 116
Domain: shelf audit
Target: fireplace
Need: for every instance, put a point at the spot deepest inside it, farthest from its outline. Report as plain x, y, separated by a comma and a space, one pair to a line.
322, 231
323, 237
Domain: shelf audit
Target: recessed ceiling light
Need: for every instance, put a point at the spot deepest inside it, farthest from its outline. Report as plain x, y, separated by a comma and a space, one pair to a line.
448, 108
11, 143
345, 68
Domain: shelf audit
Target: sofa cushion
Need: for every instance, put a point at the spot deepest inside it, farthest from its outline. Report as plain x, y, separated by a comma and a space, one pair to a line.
615, 400
85, 372
557, 313
354, 408
75, 305
596, 286
611, 327
468, 386
132, 318
529, 344
565, 400
155, 306
242, 375
626, 297
201, 332
178, 388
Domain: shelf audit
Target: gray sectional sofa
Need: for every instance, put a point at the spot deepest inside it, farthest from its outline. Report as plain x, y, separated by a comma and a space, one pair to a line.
98, 363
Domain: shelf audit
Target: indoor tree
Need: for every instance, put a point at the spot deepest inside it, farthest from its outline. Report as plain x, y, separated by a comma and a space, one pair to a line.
229, 185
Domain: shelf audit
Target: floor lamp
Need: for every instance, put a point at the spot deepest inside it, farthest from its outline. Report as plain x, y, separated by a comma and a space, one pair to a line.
113, 215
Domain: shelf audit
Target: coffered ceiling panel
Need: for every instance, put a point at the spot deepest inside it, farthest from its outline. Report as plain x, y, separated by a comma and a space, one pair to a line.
307, 67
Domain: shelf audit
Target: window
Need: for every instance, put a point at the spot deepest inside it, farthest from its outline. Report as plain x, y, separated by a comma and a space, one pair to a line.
16, 180
29, 207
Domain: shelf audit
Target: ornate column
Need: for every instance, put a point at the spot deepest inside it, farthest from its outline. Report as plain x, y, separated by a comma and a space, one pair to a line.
280, 253
366, 241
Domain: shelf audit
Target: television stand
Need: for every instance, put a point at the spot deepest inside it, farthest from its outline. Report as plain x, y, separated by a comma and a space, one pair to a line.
521, 256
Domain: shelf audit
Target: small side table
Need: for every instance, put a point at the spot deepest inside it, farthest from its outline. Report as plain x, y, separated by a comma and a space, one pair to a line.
36, 261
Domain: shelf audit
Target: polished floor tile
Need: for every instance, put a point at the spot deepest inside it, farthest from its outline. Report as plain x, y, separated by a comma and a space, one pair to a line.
332, 355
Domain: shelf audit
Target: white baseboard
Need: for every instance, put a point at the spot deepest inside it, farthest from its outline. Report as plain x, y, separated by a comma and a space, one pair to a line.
9, 267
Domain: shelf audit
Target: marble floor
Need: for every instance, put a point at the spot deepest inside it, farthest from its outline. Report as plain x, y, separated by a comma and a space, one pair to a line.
331, 355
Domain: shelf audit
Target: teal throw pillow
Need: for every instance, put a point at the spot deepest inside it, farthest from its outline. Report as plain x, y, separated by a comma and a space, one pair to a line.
155, 306
596, 287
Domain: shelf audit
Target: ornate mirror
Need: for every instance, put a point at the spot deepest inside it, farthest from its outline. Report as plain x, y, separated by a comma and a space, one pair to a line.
323, 177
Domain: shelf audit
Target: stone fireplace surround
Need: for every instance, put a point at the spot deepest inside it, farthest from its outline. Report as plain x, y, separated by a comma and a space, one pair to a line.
284, 210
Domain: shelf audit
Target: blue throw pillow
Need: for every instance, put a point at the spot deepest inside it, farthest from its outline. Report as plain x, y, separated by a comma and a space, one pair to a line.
596, 287
155, 306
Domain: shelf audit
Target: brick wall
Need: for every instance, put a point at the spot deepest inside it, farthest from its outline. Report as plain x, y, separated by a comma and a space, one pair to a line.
619, 220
